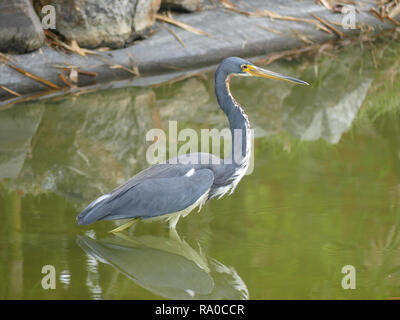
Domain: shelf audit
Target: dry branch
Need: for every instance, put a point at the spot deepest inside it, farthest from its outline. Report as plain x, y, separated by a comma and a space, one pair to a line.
181, 25
6, 61
324, 22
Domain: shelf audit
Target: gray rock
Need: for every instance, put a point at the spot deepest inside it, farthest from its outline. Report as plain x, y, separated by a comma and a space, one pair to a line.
328, 111
160, 56
94, 23
144, 17
97, 23
79, 152
20, 28
17, 128
183, 5
190, 97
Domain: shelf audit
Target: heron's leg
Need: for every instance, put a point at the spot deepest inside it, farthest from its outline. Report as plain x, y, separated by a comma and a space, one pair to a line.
125, 225
173, 221
173, 235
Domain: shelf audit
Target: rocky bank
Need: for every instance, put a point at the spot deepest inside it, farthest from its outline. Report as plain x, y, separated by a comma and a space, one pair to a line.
145, 43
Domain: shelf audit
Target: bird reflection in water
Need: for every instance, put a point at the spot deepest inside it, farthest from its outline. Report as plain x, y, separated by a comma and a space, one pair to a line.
168, 267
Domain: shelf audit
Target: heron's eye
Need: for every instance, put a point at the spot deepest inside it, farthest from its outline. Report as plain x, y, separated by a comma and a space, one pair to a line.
245, 67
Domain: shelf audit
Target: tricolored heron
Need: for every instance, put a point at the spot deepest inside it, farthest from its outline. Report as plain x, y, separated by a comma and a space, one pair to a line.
173, 189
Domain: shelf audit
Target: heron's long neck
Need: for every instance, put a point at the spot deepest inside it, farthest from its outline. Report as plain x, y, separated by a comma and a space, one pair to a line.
238, 121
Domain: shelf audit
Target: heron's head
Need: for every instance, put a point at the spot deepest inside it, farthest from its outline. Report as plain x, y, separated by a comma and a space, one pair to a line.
240, 67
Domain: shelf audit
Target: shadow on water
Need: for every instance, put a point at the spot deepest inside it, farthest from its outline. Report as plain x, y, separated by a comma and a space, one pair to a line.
168, 267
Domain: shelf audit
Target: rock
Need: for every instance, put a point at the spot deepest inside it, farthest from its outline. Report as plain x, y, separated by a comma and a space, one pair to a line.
329, 111
93, 23
160, 57
145, 15
98, 23
20, 28
182, 5
191, 96
17, 128
78, 152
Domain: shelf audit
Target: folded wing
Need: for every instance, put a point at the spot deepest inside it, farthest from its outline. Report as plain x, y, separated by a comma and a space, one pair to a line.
156, 191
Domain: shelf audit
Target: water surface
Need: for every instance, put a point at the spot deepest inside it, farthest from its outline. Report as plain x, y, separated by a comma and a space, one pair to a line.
324, 191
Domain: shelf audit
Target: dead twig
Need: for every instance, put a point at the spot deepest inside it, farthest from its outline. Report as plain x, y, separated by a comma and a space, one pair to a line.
270, 29
324, 22
288, 53
388, 9
118, 66
377, 14
395, 11
70, 67
182, 77
302, 37
5, 60
11, 91
65, 80
54, 41
6, 104
87, 73
272, 15
178, 38
181, 25
327, 4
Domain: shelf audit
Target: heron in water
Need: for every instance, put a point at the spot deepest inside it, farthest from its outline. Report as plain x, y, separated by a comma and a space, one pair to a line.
170, 190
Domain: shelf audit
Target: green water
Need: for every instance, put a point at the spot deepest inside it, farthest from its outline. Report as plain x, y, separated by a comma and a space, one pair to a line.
324, 191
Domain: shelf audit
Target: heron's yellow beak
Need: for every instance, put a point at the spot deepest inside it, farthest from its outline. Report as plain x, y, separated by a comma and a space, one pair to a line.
259, 72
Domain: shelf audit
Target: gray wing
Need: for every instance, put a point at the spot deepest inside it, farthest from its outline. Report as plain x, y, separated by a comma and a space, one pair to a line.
156, 191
